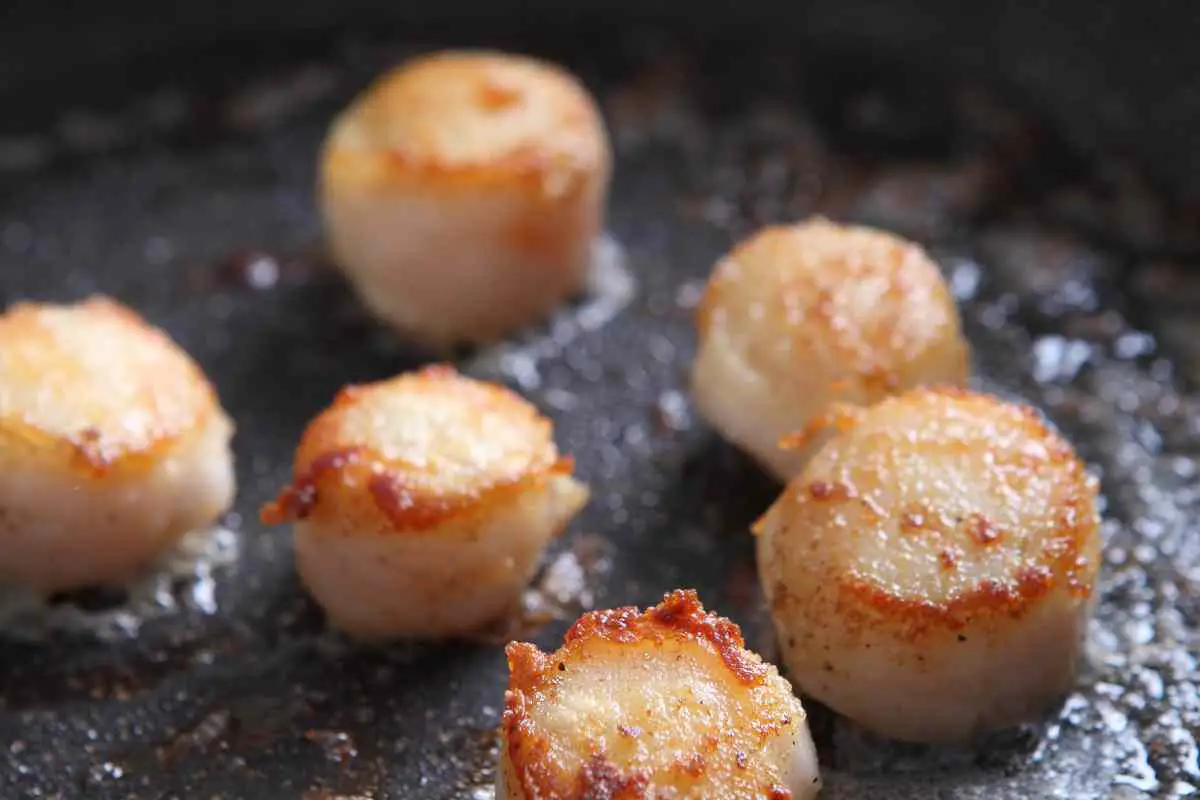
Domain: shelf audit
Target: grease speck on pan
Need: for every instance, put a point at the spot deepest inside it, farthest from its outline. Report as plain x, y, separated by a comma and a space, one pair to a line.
249, 681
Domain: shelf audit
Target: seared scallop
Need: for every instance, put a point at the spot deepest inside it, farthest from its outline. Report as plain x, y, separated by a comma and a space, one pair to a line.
662, 703
804, 315
930, 573
422, 504
462, 193
112, 445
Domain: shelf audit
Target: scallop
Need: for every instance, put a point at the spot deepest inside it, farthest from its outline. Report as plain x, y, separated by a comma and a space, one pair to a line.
463, 191
800, 316
421, 504
665, 702
112, 445
930, 573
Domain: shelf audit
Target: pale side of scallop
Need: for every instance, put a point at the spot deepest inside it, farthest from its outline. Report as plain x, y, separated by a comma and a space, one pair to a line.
462, 193
665, 702
800, 316
422, 504
112, 445
930, 573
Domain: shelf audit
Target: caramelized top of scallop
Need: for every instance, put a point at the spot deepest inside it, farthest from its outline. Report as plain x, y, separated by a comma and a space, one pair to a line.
471, 114
96, 384
415, 451
639, 703
845, 300
939, 506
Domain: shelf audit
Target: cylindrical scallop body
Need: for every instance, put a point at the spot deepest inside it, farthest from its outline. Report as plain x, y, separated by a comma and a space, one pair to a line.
661, 703
112, 445
930, 572
800, 316
422, 504
463, 191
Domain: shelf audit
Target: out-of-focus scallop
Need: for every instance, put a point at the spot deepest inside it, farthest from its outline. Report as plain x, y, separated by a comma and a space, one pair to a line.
463, 191
422, 504
930, 572
112, 445
800, 316
661, 703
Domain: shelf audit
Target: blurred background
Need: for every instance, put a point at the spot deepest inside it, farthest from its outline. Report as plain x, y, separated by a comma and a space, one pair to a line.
1119, 73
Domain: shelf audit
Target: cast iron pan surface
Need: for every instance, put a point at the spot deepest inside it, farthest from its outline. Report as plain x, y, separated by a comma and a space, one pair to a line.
183, 186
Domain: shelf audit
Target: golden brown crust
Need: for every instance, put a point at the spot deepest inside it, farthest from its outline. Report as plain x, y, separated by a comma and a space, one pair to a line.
542, 769
425, 449
465, 119
1054, 554
96, 383
679, 615
808, 284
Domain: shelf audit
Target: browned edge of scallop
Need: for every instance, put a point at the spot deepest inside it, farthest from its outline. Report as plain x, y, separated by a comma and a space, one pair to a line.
89, 453
405, 504
680, 616
525, 168
1062, 564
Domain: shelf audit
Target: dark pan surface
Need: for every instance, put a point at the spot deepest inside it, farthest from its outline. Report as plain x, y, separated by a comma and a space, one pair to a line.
182, 185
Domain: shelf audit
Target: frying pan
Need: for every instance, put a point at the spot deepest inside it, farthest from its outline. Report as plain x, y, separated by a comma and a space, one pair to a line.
164, 153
